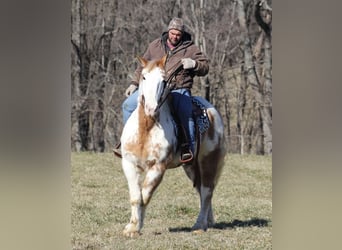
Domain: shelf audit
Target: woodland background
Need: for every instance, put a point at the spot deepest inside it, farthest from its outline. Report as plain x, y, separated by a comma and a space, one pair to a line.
107, 35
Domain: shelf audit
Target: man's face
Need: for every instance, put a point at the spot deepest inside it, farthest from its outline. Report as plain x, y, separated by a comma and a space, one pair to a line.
175, 36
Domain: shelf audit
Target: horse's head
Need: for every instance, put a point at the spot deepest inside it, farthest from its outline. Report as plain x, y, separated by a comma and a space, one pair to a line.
151, 86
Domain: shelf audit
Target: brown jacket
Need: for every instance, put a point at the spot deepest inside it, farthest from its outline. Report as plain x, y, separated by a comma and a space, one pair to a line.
185, 49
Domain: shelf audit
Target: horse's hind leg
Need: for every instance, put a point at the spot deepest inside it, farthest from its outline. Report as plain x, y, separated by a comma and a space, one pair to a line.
205, 218
211, 220
209, 167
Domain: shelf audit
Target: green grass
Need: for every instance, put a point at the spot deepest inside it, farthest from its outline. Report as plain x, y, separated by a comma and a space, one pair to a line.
242, 206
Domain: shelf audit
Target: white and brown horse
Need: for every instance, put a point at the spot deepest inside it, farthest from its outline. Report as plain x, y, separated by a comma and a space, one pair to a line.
149, 147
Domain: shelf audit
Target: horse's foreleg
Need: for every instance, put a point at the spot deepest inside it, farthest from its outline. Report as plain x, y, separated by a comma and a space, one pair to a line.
133, 178
190, 172
152, 180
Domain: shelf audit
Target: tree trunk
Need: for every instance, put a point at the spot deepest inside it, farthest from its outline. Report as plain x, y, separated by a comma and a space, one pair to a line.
241, 105
76, 143
108, 34
252, 77
267, 107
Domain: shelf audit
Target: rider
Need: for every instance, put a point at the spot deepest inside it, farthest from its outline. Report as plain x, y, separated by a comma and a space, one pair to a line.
180, 49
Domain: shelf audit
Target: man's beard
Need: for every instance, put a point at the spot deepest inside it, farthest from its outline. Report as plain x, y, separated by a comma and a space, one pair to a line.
174, 42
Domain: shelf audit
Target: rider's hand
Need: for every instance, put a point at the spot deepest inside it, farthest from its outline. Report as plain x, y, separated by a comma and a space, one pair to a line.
188, 63
130, 89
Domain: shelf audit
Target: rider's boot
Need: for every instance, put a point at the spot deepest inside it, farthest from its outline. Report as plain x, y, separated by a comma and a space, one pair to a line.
186, 154
185, 149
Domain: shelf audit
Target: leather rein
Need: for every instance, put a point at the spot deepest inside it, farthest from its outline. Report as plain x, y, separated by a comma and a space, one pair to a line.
167, 86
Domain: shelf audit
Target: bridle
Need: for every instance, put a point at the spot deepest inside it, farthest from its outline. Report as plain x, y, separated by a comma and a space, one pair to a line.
168, 86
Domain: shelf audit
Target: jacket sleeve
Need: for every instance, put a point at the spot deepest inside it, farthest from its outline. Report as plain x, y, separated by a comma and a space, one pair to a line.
202, 63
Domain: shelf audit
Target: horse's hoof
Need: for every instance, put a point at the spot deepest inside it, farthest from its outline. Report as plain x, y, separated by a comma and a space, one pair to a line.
130, 234
211, 224
198, 231
198, 228
131, 231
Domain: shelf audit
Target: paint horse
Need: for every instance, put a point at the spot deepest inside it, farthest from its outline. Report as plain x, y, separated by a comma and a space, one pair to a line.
150, 147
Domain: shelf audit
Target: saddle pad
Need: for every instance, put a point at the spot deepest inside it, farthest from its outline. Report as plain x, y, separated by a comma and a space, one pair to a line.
200, 113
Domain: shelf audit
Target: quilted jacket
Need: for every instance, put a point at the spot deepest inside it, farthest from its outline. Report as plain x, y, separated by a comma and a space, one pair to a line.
185, 49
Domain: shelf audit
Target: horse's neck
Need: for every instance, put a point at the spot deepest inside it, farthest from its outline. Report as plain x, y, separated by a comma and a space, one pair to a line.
145, 122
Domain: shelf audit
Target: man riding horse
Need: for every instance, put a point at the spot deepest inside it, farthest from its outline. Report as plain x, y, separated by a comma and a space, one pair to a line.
177, 44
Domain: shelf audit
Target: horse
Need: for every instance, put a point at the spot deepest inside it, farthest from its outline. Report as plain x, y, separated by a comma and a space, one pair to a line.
150, 146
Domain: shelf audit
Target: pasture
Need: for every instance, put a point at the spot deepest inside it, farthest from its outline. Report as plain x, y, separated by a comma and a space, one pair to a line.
242, 205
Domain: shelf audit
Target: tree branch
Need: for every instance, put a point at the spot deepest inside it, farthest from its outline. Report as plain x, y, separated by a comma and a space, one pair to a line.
265, 26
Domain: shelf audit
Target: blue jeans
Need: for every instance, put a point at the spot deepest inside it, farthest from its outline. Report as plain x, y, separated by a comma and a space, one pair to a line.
129, 105
181, 101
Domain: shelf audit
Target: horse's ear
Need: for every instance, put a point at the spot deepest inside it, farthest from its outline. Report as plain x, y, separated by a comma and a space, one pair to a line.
161, 62
142, 61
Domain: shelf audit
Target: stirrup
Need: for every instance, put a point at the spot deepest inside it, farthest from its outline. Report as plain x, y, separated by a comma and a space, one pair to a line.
117, 150
186, 154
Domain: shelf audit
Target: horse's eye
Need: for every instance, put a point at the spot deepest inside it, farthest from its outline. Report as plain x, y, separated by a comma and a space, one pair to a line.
144, 78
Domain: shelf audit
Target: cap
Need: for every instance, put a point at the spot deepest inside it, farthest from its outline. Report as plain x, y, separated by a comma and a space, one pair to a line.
177, 24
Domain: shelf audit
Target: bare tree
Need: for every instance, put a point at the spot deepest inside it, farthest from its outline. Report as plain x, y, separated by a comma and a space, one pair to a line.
107, 35
264, 21
253, 79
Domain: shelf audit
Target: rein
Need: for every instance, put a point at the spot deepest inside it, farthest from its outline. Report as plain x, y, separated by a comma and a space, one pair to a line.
167, 86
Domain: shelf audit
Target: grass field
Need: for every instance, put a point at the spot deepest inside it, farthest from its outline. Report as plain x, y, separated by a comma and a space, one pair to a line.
242, 206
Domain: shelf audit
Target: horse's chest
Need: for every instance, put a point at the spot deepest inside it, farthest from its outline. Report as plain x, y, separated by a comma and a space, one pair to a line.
156, 140
154, 145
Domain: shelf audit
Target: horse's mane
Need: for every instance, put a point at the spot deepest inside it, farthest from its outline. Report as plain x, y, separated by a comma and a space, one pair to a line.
149, 65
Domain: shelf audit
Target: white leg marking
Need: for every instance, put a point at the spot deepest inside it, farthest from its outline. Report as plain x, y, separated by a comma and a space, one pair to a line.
133, 178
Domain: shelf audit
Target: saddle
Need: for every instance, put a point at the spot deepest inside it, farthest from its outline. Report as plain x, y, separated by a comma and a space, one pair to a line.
201, 121
199, 112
